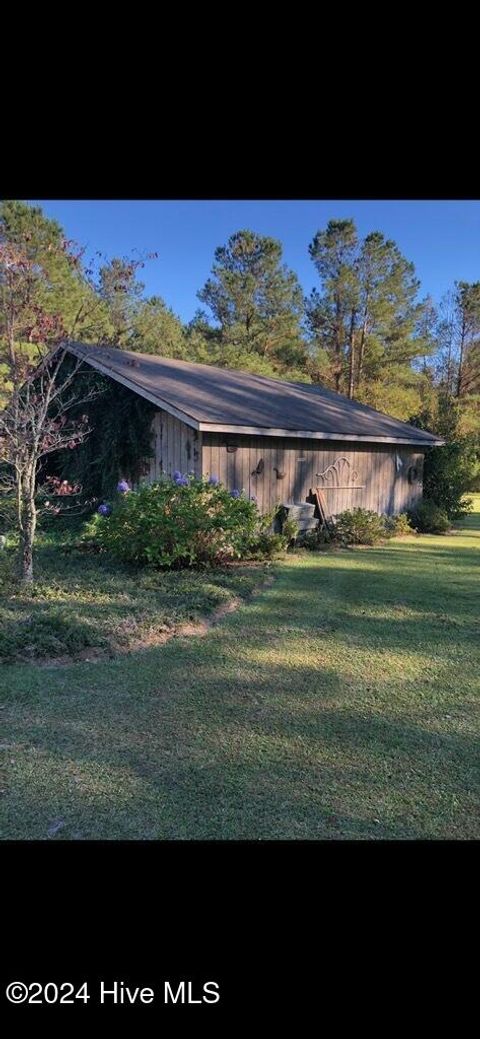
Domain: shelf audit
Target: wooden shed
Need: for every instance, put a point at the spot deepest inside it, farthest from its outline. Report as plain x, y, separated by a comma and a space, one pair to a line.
274, 440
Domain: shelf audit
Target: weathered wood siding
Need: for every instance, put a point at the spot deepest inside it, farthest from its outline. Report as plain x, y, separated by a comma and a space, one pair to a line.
176, 446
381, 482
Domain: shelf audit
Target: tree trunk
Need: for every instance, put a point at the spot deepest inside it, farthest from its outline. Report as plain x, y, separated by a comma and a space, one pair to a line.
29, 524
461, 359
361, 351
351, 371
338, 346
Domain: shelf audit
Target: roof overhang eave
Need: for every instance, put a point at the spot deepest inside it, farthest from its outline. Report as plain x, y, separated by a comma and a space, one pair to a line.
309, 434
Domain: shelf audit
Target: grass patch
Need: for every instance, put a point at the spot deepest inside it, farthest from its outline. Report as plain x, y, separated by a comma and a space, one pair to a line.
341, 703
81, 601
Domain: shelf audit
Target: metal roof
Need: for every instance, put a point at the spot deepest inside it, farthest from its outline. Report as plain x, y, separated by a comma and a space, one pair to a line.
222, 400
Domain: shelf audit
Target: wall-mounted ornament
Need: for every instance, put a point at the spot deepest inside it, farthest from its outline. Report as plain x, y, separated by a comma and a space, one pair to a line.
398, 463
278, 474
259, 469
412, 474
340, 470
231, 448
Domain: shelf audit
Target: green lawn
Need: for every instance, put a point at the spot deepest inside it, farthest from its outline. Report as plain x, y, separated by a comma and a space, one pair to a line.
343, 702
84, 605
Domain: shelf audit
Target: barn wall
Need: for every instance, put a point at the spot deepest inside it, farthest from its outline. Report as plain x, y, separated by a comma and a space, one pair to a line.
176, 445
380, 483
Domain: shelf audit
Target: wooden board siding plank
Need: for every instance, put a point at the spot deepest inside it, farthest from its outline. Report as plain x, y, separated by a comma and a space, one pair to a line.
156, 464
206, 455
171, 446
184, 458
267, 455
256, 482
275, 484
165, 443
222, 460
231, 463
157, 433
177, 445
188, 447
244, 463
197, 439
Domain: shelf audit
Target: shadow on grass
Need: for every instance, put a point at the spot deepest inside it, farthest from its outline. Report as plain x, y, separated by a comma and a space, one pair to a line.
263, 729
241, 763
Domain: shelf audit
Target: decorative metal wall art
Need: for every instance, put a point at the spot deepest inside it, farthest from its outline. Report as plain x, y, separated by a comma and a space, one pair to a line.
340, 470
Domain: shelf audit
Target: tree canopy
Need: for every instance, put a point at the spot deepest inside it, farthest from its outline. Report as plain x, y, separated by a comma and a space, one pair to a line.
364, 330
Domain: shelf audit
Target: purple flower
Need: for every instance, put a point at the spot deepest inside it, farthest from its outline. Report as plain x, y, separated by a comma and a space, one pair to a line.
123, 487
235, 493
104, 509
179, 479
214, 481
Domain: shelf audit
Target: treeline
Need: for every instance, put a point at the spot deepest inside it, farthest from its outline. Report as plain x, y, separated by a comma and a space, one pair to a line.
364, 331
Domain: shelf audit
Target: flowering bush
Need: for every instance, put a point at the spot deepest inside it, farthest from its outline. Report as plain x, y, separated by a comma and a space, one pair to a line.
182, 521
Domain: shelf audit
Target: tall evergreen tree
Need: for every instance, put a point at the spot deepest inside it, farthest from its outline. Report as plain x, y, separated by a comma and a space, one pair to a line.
467, 305
365, 322
256, 302
458, 360
122, 292
332, 312
157, 330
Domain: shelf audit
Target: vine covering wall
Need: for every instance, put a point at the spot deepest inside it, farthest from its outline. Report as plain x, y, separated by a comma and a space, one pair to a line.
119, 444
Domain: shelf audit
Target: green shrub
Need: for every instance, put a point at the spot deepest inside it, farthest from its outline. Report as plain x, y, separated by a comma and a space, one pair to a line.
396, 526
448, 474
183, 521
359, 527
8, 514
428, 518
314, 539
290, 530
7, 570
267, 546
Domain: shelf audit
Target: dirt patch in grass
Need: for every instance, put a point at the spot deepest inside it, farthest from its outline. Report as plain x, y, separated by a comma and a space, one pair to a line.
195, 629
88, 608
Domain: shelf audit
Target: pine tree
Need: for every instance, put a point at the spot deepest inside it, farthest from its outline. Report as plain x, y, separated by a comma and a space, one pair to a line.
367, 328
122, 292
157, 330
332, 313
257, 304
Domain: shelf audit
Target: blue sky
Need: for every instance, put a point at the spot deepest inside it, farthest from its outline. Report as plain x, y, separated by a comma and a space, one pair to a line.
441, 238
